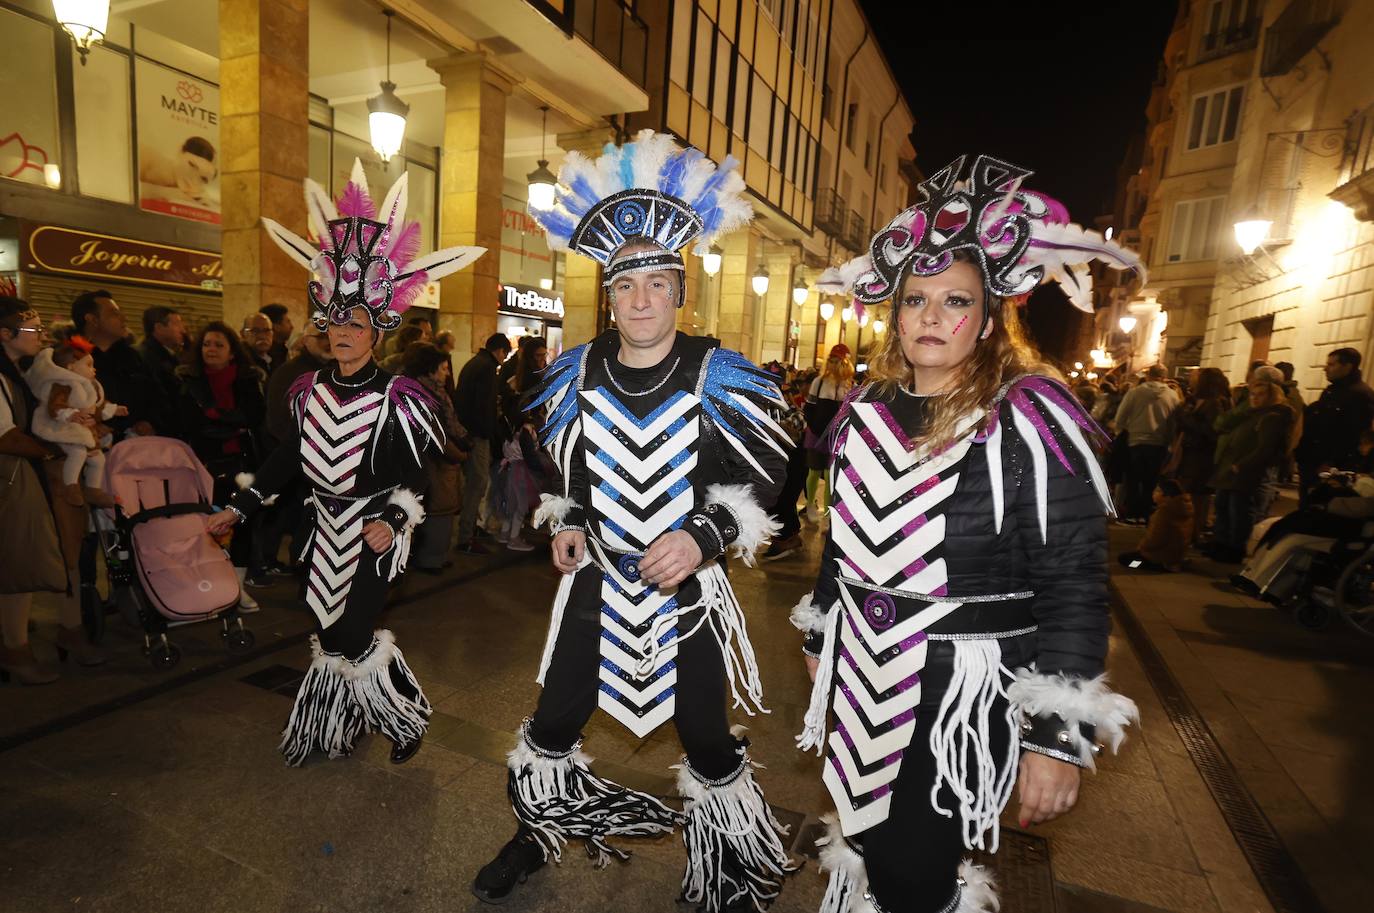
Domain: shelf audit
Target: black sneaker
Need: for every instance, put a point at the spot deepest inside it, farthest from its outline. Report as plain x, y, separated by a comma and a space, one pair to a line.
517, 860
781, 548
259, 580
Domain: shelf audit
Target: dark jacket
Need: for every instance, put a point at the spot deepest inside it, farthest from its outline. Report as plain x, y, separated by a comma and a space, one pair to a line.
225, 440
280, 424
475, 401
1197, 424
162, 364
129, 381
1333, 424
1252, 441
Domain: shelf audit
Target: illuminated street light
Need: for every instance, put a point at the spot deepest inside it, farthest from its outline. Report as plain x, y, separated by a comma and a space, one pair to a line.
386, 114
827, 310
1127, 324
84, 21
759, 281
540, 182
1251, 232
711, 260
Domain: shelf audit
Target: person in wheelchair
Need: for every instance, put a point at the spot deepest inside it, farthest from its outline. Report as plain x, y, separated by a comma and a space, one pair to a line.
1289, 556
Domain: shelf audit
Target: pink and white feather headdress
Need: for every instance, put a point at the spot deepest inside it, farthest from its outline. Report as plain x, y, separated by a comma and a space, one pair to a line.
366, 255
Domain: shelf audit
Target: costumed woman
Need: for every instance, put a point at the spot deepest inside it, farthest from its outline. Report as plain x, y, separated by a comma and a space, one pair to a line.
667, 446
958, 625
360, 437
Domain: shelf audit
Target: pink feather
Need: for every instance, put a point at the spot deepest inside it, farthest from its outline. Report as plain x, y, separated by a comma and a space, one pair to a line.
356, 202
407, 290
405, 244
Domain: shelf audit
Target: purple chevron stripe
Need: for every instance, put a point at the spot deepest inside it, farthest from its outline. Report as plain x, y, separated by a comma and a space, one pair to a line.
858, 571
906, 716
905, 684
906, 644
893, 425
834, 762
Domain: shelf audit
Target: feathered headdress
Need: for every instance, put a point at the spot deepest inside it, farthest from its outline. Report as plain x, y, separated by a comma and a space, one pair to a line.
650, 188
1018, 237
366, 255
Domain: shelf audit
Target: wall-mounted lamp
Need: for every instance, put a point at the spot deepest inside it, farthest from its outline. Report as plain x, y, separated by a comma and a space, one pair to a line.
711, 260
827, 310
759, 281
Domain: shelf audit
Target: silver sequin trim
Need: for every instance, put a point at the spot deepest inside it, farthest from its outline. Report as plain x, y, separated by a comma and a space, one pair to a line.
922, 597
993, 635
1058, 755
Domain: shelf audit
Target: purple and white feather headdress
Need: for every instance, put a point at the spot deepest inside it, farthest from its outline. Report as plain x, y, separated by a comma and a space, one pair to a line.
1018, 237
366, 255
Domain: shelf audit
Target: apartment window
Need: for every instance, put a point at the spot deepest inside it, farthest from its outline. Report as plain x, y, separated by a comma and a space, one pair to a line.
743, 79
789, 20
1229, 22
851, 122
682, 44
1215, 116
868, 142
759, 113
1196, 228
771, 8
701, 70
882, 176
720, 95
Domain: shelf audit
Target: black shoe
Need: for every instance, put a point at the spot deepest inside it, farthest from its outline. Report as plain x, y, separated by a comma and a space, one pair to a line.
781, 548
404, 751
517, 860
471, 548
259, 580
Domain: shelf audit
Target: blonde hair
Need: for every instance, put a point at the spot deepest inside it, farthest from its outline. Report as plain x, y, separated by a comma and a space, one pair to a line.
840, 371
1005, 355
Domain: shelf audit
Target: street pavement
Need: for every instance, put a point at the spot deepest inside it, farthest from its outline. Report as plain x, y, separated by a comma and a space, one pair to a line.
127, 789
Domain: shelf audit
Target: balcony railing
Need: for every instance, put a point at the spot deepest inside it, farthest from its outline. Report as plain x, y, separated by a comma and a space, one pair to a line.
1358, 155
830, 214
1295, 32
856, 237
1230, 40
610, 26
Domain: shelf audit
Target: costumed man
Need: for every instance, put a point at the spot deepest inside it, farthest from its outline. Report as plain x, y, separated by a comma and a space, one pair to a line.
668, 449
358, 439
967, 539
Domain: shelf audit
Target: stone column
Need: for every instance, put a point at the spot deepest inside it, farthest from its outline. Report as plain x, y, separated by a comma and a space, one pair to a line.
735, 322
475, 93
264, 118
582, 292
772, 341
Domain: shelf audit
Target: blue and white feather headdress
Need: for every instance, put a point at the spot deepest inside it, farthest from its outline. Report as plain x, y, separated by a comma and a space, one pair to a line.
651, 189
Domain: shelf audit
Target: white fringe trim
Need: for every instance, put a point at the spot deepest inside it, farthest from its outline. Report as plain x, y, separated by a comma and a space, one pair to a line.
409, 502
324, 716
726, 618
730, 823
844, 891
808, 617
245, 480
813, 732
400, 718
553, 509
560, 604
1076, 701
962, 734
978, 893
756, 528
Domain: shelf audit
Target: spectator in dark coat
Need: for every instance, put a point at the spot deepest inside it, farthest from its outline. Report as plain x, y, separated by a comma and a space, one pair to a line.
1146, 417
1197, 424
282, 328
222, 407
1254, 439
257, 339
475, 403
1333, 424
120, 368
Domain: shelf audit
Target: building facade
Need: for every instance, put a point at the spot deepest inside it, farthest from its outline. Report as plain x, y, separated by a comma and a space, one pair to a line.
145, 166
1260, 118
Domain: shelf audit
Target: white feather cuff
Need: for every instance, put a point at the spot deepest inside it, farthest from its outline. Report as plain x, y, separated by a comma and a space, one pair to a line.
553, 509
755, 526
245, 480
409, 502
808, 617
1076, 701
978, 893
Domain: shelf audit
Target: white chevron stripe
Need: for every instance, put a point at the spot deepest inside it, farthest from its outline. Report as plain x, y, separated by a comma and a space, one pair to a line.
639, 696
334, 472
640, 726
881, 568
334, 450
638, 642
896, 451
859, 783
628, 661
342, 409
634, 614
879, 641
637, 468
881, 530
648, 495
871, 751
854, 821
651, 527
895, 670
641, 436
335, 424
332, 486
327, 613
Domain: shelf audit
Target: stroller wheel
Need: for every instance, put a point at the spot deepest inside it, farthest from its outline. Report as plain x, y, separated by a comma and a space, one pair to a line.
1355, 593
238, 639
164, 655
1312, 615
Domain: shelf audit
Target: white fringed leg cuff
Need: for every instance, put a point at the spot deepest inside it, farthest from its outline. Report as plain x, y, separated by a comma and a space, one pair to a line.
400, 717
844, 865
325, 715
557, 797
734, 843
977, 890
1077, 701
756, 528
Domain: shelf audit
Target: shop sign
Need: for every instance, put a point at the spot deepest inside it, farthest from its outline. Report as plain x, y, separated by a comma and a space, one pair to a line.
53, 249
178, 143
526, 301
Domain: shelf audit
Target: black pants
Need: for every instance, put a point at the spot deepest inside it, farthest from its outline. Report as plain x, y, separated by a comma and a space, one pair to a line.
1146, 460
786, 508
901, 880
572, 684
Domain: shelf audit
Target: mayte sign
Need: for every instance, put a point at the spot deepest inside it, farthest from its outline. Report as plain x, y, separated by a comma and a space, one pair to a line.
521, 299
178, 143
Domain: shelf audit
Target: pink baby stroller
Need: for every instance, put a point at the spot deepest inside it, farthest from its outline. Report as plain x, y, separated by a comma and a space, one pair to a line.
165, 569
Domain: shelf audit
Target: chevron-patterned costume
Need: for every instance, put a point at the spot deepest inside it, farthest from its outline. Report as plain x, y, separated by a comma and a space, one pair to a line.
960, 612
359, 443
689, 444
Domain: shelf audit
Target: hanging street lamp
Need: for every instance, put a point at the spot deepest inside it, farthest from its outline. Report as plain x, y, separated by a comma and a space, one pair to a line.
710, 262
84, 21
759, 281
541, 180
386, 114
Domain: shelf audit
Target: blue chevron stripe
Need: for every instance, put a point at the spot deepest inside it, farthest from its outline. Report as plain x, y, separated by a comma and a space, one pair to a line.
647, 420
662, 696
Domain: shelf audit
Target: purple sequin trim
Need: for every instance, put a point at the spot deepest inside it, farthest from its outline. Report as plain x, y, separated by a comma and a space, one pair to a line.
1021, 402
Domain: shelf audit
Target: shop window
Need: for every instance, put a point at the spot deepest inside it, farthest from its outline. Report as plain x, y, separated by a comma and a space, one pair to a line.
104, 148
1196, 227
28, 116
1215, 117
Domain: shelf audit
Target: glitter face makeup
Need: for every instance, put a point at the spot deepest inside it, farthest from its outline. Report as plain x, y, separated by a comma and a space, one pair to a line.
958, 326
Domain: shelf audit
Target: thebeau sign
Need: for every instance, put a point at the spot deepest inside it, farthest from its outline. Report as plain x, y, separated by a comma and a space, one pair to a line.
523, 300
53, 249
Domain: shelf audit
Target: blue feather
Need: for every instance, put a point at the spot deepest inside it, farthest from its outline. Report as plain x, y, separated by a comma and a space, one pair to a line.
627, 165
555, 382
582, 198
670, 181
556, 222
712, 185
729, 377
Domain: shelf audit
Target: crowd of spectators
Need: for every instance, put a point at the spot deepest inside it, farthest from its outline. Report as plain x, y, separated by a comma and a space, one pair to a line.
224, 392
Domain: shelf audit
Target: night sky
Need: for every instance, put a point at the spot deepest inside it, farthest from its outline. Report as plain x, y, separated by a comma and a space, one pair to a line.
1056, 86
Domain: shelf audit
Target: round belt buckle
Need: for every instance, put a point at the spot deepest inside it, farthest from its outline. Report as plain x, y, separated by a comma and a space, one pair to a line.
881, 610
628, 565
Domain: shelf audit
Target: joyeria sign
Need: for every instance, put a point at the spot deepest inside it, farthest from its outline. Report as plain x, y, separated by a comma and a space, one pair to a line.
53, 249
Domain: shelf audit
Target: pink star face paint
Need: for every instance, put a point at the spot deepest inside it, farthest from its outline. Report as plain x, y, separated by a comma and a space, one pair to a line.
960, 325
